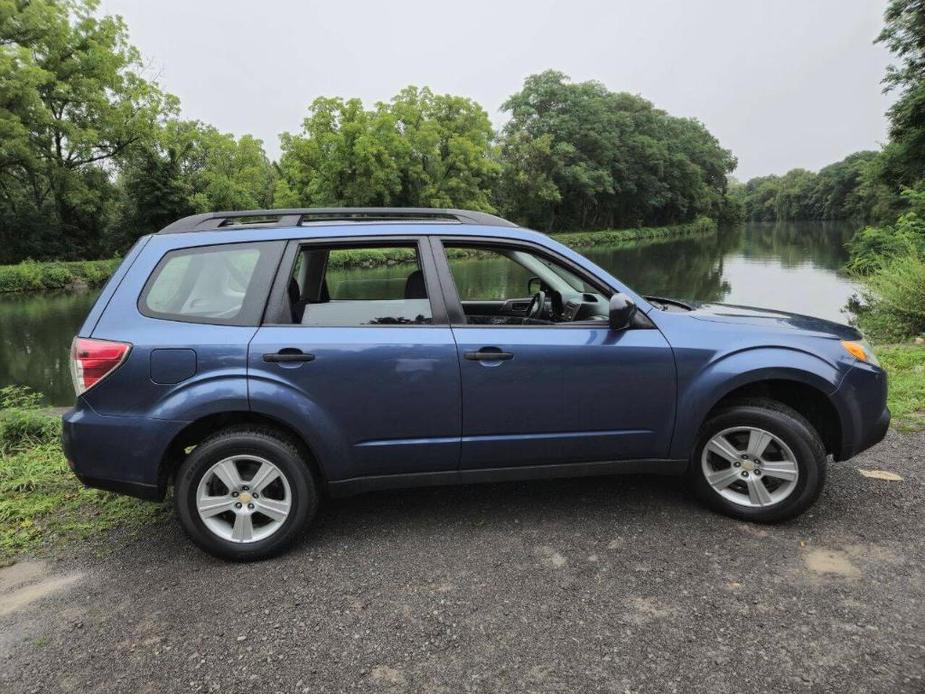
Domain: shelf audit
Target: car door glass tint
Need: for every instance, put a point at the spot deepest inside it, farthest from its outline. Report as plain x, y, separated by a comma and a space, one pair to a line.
370, 285
210, 284
500, 285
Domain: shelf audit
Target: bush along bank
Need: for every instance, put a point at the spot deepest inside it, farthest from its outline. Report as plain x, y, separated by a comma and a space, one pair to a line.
616, 237
37, 276
33, 276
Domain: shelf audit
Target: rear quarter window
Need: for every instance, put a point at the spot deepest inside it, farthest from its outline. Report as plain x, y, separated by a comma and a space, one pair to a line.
225, 284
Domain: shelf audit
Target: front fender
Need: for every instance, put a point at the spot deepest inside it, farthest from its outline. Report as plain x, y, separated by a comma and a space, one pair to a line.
702, 388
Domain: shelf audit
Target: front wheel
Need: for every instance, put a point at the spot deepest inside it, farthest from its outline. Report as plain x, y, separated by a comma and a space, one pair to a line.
758, 460
245, 494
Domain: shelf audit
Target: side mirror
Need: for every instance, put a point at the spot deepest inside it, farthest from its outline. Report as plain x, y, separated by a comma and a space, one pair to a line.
622, 310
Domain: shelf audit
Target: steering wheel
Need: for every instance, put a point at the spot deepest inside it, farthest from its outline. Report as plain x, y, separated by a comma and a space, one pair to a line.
537, 305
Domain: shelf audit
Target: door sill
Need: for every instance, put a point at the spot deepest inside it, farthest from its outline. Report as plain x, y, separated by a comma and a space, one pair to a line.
360, 485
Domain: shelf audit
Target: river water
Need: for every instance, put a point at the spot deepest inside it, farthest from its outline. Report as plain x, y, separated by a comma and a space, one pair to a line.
792, 266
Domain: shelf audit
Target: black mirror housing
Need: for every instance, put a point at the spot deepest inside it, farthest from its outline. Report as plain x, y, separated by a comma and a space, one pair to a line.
622, 310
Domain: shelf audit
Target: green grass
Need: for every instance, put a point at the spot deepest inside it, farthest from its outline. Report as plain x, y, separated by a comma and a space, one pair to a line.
41, 502
35, 276
615, 237
905, 365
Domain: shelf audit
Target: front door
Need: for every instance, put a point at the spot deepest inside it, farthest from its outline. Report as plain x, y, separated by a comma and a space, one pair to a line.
551, 383
366, 356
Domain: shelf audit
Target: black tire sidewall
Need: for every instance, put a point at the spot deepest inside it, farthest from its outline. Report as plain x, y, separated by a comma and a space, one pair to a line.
301, 485
794, 431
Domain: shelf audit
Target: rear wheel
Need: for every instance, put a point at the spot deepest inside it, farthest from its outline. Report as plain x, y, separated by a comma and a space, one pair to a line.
245, 494
758, 460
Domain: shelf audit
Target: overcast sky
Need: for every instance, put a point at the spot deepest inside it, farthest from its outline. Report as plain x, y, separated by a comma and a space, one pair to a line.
782, 83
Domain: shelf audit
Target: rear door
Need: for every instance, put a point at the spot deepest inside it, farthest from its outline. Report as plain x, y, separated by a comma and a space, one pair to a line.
357, 345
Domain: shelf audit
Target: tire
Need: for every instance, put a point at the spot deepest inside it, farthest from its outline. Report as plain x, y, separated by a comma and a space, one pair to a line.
226, 528
794, 449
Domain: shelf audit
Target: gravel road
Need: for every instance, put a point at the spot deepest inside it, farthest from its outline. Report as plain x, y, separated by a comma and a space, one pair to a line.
612, 584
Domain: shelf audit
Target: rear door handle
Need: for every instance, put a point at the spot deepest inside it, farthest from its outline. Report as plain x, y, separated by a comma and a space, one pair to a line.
486, 354
287, 356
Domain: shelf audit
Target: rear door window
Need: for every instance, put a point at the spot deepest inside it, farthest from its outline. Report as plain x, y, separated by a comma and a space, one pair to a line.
359, 285
224, 284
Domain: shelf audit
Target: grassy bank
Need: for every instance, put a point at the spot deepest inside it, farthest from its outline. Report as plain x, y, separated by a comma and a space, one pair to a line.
905, 365
34, 276
41, 502
615, 237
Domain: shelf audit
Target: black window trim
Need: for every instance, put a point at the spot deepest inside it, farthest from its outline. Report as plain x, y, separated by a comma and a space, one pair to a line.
277, 311
252, 308
454, 306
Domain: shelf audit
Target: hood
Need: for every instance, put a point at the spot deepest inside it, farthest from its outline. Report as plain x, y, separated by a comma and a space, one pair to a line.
769, 318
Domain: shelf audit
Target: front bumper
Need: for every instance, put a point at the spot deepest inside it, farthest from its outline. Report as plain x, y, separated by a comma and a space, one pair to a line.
119, 454
861, 400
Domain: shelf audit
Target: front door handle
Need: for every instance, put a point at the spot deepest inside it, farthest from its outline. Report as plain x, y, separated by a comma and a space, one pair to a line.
288, 356
488, 354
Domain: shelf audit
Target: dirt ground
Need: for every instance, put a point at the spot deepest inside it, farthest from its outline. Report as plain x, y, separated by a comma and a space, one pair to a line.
611, 584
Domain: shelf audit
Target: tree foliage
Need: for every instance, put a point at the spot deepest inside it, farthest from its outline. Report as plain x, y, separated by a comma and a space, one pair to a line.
188, 167
419, 150
578, 156
849, 189
904, 35
71, 100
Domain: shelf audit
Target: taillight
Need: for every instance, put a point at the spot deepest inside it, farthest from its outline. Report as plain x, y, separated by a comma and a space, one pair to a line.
93, 360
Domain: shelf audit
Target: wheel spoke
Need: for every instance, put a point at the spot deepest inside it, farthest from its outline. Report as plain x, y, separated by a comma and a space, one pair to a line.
213, 505
757, 442
781, 469
757, 492
227, 472
723, 478
243, 529
263, 477
721, 446
272, 508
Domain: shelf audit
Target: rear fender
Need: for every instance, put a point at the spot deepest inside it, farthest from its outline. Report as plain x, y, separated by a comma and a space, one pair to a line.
279, 400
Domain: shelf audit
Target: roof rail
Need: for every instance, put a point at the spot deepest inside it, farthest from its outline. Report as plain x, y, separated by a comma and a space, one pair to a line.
297, 216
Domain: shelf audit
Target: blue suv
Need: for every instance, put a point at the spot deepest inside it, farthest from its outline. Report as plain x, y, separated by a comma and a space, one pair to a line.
261, 360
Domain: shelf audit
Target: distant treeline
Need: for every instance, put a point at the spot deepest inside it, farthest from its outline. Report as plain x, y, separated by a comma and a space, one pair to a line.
854, 188
94, 154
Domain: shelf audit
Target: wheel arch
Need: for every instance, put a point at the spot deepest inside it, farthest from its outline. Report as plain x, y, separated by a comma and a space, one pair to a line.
802, 381
808, 400
197, 431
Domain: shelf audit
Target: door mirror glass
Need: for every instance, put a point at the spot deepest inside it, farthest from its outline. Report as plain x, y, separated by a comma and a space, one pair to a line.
622, 310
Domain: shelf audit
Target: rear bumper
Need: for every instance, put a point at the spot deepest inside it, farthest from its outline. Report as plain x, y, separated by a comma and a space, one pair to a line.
865, 417
119, 454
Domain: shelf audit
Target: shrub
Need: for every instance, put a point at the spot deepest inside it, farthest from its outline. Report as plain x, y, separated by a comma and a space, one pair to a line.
22, 422
32, 276
894, 300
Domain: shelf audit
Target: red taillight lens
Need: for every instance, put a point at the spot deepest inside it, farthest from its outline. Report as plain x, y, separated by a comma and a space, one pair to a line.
93, 360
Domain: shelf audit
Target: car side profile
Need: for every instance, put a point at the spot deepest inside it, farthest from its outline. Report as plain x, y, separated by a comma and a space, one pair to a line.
260, 361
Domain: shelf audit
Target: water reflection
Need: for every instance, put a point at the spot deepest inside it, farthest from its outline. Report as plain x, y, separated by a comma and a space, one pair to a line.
35, 335
791, 266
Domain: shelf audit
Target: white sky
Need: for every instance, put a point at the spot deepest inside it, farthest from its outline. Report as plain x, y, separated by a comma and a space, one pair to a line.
782, 83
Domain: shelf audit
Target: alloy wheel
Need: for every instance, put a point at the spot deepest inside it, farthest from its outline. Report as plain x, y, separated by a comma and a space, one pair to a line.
243, 498
750, 466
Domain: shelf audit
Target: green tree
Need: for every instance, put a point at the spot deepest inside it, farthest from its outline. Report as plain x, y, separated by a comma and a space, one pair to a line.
578, 156
72, 99
189, 167
904, 35
419, 149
